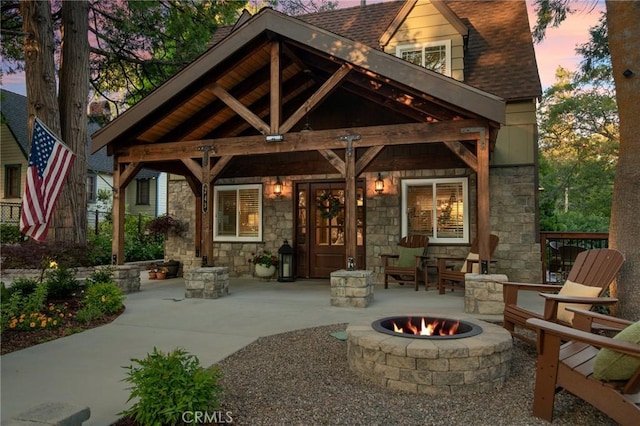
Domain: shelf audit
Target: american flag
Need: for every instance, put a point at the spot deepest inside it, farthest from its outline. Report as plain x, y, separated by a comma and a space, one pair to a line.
49, 162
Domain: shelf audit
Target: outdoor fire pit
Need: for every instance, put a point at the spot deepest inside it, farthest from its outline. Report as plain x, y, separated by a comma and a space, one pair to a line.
430, 355
426, 327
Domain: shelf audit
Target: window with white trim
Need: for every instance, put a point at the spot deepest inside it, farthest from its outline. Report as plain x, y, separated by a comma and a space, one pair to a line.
238, 212
438, 208
435, 56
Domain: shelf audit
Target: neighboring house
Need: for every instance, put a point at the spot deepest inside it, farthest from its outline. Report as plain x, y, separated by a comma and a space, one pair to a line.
435, 100
143, 194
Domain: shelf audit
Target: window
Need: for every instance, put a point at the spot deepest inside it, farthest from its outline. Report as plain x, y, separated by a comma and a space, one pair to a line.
143, 190
91, 188
438, 208
238, 212
435, 56
12, 178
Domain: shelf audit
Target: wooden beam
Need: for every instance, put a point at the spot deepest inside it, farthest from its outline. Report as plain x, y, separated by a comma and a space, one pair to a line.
465, 155
239, 108
366, 158
118, 210
276, 88
129, 172
193, 167
350, 214
334, 159
217, 168
329, 86
484, 223
396, 134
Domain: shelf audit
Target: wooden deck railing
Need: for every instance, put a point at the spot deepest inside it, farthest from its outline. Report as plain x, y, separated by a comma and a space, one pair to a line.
559, 250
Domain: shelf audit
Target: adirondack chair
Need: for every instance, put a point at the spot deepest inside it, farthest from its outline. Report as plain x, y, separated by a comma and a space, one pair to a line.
409, 264
593, 272
570, 366
451, 274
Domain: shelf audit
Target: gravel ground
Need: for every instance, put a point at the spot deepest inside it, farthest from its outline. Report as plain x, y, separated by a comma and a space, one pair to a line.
302, 378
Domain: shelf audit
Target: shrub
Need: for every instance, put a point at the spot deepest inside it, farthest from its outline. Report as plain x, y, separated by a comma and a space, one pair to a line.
168, 385
24, 286
20, 311
10, 234
88, 313
105, 297
61, 283
31, 255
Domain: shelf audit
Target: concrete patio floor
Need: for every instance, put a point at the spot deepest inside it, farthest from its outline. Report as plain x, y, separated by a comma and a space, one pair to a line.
85, 369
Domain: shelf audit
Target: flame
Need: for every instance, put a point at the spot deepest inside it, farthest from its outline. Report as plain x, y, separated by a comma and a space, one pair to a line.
442, 328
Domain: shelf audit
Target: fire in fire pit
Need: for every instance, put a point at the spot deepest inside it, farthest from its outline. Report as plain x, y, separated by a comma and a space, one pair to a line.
426, 327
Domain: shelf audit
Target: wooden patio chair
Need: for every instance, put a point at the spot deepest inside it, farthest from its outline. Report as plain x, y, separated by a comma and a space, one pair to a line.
410, 264
603, 371
451, 274
586, 285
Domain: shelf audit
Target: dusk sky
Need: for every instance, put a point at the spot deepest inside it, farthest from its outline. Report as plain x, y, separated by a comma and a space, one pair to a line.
558, 49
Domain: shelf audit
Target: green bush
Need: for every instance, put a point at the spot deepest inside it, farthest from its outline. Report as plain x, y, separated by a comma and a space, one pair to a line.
20, 308
105, 297
88, 313
168, 385
61, 283
10, 234
24, 286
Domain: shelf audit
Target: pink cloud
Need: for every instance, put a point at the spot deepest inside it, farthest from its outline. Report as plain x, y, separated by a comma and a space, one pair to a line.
559, 46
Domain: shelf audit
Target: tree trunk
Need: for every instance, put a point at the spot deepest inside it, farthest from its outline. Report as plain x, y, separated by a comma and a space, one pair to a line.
70, 216
40, 71
624, 39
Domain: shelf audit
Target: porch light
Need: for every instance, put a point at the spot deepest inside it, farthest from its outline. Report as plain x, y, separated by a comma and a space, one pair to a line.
379, 184
285, 262
277, 187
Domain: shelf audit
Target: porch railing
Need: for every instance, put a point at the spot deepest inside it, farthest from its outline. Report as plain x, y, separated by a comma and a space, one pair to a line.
559, 251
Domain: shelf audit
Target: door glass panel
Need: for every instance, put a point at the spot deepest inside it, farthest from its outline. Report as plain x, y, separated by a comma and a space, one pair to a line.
330, 217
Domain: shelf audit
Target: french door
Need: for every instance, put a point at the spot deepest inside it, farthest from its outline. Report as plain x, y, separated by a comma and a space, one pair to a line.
320, 228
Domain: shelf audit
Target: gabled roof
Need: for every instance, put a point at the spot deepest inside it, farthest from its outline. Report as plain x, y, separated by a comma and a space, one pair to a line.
313, 55
499, 59
14, 111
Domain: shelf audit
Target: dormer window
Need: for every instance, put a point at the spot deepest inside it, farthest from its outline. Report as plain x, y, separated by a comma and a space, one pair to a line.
435, 56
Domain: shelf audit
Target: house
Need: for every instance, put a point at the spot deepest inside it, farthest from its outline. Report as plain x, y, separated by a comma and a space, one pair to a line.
287, 127
144, 195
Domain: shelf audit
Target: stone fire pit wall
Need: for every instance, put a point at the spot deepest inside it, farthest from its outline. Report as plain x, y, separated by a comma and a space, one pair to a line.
431, 367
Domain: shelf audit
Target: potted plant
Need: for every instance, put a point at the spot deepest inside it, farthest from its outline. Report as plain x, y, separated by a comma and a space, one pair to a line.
265, 263
161, 274
164, 224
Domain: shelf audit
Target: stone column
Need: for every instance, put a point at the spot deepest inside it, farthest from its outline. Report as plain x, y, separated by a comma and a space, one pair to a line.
351, 288
207, 282
483, 294
127, 278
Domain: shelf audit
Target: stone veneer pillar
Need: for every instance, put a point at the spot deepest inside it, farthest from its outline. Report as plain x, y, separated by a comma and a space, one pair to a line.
351, 288
207, 282
483, 294
127, 278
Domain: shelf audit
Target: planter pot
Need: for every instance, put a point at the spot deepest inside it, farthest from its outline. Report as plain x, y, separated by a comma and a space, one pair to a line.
152, 275
161, 275
263, 271
171, 267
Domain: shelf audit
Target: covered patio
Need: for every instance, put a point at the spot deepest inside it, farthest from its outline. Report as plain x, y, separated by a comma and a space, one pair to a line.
280, 97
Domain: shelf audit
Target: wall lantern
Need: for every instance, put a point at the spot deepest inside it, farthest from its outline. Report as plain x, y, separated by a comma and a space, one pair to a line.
379, 184
285, 263
277, 187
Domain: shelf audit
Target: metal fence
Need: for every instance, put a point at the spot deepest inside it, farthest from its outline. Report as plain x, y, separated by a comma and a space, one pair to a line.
561, 248
10, 214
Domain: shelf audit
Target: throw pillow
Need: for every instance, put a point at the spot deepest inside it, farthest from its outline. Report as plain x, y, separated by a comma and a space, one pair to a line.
578, 290
475, 266
407, 256
611, 365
